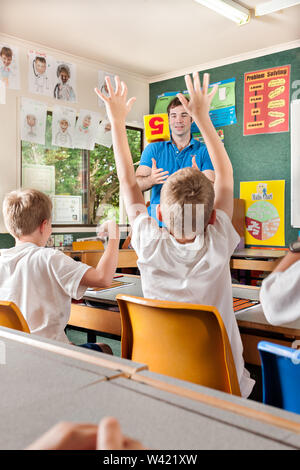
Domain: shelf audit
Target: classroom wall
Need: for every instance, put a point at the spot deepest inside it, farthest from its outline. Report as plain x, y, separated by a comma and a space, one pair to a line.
258, 157
86, 74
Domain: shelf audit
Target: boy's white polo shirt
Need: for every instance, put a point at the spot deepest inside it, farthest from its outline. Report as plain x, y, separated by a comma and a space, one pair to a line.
41, 282
196, 272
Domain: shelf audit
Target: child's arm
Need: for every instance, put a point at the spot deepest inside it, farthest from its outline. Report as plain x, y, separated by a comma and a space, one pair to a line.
103, 274
117, 108
198, 108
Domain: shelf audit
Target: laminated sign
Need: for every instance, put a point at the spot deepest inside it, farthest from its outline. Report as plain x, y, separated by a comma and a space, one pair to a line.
264, 221
267, 100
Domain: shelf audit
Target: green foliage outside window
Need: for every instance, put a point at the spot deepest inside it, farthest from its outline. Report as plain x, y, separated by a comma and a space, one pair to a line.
72, 177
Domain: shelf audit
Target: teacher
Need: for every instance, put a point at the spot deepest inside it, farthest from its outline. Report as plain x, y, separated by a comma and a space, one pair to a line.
161, 159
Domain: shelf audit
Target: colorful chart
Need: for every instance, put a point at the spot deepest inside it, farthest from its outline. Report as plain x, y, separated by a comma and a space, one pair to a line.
264, 220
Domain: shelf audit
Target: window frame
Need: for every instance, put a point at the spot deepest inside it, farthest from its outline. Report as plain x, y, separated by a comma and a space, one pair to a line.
71, 227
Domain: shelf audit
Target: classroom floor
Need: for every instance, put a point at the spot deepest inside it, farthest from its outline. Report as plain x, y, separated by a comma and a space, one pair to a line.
79, 337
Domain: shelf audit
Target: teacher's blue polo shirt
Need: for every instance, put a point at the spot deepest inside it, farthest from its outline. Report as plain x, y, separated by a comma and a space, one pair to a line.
169, 158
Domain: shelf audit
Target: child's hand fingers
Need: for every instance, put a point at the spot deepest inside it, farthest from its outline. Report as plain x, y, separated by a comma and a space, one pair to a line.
183, 101
197, 84
109, 86
205, 82
154, 164
98, 92
213, 91
189, 85
118, 85
130, 103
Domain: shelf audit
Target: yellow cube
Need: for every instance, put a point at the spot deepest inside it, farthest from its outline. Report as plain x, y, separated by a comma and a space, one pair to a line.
157, 127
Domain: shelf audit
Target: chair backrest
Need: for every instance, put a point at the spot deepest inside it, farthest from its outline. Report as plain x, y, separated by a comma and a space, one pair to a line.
180, 340
88, 245
280, 375
11, 317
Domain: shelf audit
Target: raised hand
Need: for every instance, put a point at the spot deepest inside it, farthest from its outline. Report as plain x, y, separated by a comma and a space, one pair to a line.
158, 175
200, 99
116, 103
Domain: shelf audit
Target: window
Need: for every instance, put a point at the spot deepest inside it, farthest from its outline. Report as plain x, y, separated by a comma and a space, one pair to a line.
82, 184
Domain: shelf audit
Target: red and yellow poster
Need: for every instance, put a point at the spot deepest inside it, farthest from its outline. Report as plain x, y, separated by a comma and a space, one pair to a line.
267, 101
264, 219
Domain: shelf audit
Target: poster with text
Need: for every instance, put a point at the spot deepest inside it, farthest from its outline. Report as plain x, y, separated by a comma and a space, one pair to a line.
9, 66
67, 209
267, 101
264, 219
65, 84
40, 177
41, 73
86, 130
222, 110
33, 121
63, 126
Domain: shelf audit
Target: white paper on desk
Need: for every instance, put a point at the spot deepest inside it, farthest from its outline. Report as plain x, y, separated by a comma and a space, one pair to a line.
98, 292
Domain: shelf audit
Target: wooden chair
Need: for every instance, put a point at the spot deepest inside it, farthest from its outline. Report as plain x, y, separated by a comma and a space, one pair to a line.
88, 245
11, 317
280, 366
181, 340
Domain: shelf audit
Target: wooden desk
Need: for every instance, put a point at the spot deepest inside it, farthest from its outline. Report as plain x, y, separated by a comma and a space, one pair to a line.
252, 323
127, 257
256, 260
68, 383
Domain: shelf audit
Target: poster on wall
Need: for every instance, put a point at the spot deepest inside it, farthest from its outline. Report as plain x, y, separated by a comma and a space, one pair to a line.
33, 121
102, 84
9, 66
104, 136
86, 130
40, 177
67, 209
41, 73
222, 109
63, 126
264, 219
267, 100
65, 85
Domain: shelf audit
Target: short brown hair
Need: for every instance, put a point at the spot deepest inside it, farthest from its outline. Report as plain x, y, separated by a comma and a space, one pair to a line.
187, 190
6, 51
24, 210
174, 103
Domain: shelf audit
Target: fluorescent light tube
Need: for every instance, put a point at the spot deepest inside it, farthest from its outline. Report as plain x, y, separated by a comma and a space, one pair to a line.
229, 9
274, 5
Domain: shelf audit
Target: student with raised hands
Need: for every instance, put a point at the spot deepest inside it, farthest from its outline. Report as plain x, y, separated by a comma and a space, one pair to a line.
188, 259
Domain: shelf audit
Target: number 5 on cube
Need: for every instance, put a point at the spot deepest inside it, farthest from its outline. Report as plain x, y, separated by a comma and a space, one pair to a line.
156, 127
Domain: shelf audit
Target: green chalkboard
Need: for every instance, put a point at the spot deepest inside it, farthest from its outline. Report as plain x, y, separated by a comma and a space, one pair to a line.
256, 157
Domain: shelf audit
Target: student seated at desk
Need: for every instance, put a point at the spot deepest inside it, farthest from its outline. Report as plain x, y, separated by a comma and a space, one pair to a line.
280, 291
42, 281
188, 260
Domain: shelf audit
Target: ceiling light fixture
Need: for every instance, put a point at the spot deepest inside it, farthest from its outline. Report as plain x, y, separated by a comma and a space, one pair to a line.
231, 10
274, 5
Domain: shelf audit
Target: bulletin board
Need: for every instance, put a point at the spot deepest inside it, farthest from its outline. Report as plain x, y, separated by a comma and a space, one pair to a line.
254, 157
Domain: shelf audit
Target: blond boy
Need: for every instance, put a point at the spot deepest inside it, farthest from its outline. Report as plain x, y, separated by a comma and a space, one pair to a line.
42, 281
188, 261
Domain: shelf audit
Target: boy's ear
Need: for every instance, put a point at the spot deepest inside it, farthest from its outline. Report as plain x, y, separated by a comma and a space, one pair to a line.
43, 225
213, 217
158, 213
